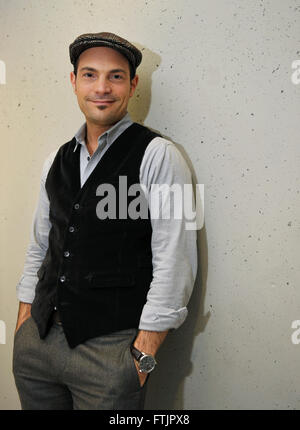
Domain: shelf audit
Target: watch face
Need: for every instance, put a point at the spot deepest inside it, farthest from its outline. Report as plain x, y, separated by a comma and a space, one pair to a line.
147, 363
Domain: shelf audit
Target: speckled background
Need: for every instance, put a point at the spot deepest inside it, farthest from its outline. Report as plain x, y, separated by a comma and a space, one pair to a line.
216, 79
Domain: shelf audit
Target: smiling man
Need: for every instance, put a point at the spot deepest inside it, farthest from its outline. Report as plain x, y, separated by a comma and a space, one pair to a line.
98, 296
103, 86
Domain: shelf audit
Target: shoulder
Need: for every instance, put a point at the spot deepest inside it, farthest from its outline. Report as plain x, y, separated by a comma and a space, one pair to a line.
162, 159
48, 163
161, 146
51, 156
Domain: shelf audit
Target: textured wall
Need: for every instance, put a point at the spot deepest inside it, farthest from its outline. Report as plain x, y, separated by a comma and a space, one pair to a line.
216, 79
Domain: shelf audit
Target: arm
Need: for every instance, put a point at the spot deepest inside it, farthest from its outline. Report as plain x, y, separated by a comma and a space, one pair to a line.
174, 252
36, 250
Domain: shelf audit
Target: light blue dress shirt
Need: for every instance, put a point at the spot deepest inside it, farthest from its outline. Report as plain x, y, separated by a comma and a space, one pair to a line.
174, 249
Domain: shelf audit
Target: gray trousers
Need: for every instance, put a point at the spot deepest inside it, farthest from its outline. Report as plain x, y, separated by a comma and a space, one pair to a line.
99, 374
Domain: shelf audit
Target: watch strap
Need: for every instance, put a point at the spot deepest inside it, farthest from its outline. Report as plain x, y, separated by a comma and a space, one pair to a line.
136, 353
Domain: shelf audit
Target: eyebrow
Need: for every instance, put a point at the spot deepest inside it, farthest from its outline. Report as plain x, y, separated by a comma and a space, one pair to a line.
91, 69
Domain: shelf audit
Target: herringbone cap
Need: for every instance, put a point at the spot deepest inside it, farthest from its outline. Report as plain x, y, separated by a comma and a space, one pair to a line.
110, 40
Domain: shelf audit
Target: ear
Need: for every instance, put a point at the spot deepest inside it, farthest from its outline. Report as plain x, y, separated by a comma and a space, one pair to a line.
133, 85
73, 81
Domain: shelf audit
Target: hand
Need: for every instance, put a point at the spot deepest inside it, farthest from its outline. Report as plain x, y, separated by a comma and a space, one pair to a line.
20, 322
23, 314
142, 375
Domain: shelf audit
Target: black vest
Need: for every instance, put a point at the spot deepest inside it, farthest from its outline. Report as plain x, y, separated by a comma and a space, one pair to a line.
97, 272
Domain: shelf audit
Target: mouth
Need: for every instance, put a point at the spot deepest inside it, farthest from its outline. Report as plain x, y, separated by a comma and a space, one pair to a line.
102, 102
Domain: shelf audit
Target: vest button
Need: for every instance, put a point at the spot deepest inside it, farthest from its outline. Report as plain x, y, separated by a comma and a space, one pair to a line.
71, 229
62, 278
66, 253
77, 206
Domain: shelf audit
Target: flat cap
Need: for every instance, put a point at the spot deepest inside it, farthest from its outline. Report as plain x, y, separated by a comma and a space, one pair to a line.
110, 40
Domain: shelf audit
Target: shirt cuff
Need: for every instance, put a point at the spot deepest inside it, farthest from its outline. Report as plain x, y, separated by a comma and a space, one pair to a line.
159, 318
26, 288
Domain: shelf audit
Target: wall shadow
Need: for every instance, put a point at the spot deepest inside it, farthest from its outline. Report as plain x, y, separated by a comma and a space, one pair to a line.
166, 385
141, 101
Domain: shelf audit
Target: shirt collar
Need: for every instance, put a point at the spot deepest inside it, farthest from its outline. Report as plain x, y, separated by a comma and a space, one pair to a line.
111, 134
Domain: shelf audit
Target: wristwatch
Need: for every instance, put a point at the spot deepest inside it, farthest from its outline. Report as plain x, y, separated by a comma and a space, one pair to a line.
146, 362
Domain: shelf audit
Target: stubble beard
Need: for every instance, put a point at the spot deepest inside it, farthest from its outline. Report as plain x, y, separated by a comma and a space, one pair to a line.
110, 118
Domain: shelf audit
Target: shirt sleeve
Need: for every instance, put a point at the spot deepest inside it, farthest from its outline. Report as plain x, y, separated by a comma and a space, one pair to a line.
174, 247
38, 243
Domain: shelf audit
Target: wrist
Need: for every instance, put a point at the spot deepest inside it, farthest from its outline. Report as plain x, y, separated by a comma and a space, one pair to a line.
144, 362
149, 341
146, 349
24, 312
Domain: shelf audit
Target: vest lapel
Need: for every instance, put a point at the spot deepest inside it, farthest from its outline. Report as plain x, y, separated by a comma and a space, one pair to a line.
110, 163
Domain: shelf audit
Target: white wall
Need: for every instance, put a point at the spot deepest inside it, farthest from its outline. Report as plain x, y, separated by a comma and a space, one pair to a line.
216, 79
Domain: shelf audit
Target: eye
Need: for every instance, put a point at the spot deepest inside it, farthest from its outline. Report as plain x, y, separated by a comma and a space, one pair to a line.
117, 76
88, 74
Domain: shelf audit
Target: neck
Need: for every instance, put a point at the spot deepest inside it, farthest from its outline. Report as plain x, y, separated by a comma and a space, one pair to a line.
94, 130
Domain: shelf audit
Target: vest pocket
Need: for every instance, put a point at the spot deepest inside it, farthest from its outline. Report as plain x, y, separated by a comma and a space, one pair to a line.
100, 280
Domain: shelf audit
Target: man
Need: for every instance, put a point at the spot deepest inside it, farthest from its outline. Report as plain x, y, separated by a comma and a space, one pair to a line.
99, 295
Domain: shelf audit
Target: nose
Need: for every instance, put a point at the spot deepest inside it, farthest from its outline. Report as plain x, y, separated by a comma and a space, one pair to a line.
102, 85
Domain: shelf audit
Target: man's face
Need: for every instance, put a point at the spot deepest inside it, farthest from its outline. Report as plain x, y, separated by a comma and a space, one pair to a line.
102, 86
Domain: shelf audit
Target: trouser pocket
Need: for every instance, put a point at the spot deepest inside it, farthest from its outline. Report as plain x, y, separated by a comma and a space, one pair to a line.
20, 341
133, 372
